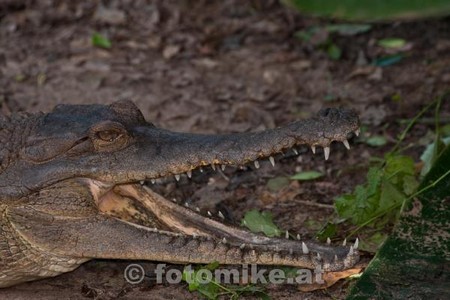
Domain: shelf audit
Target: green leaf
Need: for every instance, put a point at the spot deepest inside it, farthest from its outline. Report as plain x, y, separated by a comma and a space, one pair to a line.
398, 164
260, 222
373, 10
392, 43
388, 60
412, 260
277, 183
372, 243
348, 29
328, 231
100, 41
376, 141
334, 52
307, 175
430, 155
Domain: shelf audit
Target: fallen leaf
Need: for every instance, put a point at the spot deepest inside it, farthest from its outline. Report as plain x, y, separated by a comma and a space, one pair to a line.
307, 175
329, 278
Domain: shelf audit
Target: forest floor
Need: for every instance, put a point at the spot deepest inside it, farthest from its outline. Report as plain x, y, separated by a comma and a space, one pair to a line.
222, 67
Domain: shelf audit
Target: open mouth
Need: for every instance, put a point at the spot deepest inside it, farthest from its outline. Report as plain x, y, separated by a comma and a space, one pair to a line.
136, 203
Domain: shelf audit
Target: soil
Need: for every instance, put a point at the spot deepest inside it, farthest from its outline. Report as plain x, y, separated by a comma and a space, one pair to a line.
216, 67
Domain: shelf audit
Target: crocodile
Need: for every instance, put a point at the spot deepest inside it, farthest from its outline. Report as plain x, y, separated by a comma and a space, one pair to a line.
76, 185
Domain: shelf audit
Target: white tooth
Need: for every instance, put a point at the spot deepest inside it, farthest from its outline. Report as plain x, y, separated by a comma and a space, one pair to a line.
351, 252
223, 167
224, 240
272, 161
305, 248
209, 213
213, 166
298, 237
346, 144
335, 258
174, 200
194, 235
153, 181
287, 234
186, 204
189, 174
253, 252
326, 152
295, 151
242, 246
355, 246
256, 164
344, 242
318, 256
197, 209
142, 182
328, 241
201, 170
177, 177
313, 149
221, 215
291, 251
357, 131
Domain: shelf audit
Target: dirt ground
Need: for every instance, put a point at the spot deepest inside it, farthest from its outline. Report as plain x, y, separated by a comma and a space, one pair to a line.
215, 67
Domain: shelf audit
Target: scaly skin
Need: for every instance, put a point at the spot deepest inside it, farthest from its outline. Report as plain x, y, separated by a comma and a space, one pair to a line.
70, 192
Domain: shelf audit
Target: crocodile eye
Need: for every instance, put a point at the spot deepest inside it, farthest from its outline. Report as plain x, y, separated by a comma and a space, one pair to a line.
108, 135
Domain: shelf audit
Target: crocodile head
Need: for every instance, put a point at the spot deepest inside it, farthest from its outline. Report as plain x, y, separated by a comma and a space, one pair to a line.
110, 151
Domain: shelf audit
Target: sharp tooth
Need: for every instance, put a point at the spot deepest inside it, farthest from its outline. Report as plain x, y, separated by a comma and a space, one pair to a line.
189, 174
328, 241
256, 164
291, 251
153, 181
344, 242
335, 258
223, 167
174, 200
253, 252
194, 235
197, 209
313, 149
142, 182
357, 131
318, 256
295, 151
272, 161
356, 244
287, 234
213, 166
346, 144
298, 237
221, 215
305, 248
224, 240
177, 177
326, 152
209, 213
201, 170
351, 252
242, 246
186, 204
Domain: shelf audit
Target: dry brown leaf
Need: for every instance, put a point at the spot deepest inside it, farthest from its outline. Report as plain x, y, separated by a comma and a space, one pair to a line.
329, 279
